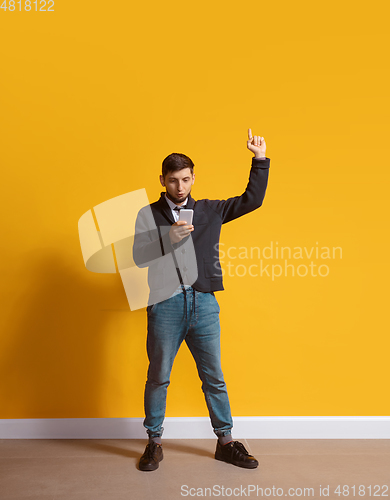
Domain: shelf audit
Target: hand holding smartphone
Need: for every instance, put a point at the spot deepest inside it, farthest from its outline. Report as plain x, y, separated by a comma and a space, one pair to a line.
186, 214
180, 231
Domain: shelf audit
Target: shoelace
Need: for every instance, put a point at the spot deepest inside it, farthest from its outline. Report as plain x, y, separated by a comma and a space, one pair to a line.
240, 447
150, 449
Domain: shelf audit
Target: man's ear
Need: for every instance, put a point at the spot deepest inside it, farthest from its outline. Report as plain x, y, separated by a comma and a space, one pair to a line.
162, 180
193, 178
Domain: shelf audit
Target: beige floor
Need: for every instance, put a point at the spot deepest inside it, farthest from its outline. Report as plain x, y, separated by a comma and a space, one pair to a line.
72, 469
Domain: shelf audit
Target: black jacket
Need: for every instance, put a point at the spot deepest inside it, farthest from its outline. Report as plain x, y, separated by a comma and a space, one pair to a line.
197, 255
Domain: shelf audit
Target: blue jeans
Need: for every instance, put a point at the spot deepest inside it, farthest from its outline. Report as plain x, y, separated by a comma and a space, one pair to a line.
168, 326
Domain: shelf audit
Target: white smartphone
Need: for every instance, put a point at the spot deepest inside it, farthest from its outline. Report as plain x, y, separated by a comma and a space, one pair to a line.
187, 215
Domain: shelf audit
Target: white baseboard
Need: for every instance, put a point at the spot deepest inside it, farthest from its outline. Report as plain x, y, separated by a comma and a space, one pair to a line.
198, 428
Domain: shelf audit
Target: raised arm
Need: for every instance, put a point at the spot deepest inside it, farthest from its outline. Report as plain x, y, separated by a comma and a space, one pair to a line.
253, 196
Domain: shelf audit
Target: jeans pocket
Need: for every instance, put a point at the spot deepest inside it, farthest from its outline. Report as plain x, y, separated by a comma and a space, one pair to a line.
150, 308
215, 301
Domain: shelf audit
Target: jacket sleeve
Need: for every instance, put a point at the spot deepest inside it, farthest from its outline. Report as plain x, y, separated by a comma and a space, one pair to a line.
150, 242
251, 198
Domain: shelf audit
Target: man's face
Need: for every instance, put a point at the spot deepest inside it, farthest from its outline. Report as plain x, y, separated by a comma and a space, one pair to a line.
178, 184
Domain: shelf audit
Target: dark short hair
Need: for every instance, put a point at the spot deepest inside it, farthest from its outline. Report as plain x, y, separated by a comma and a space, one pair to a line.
176, 161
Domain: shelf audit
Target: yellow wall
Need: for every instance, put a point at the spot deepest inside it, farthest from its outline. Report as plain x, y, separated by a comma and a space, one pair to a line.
94, 96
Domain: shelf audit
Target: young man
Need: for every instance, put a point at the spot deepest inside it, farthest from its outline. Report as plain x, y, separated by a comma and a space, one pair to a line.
184, 272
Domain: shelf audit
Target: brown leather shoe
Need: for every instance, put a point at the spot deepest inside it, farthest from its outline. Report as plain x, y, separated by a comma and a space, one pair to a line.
236, 454
152, 456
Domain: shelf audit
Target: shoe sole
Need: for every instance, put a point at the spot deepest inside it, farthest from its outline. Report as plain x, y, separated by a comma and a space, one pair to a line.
237, 464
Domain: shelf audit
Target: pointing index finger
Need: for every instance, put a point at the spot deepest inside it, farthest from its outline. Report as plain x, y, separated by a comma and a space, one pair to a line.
249, 134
